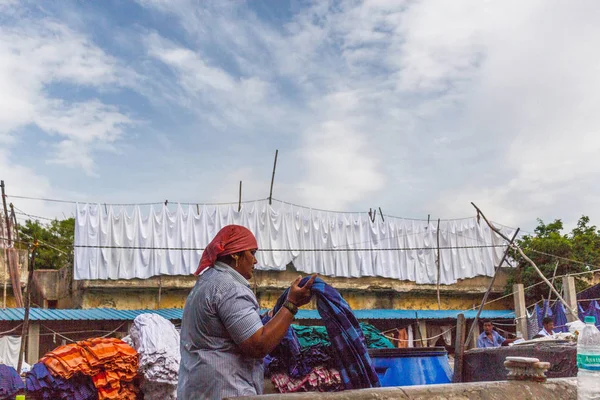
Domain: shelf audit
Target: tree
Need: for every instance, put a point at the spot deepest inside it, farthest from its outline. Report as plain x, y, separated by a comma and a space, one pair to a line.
581, 244
56, 242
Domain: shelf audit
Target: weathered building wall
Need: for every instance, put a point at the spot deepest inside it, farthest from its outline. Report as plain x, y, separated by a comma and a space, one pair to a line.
361, 293
23, 262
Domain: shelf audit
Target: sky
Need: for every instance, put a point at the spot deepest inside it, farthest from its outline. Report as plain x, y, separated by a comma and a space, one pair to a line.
417, 107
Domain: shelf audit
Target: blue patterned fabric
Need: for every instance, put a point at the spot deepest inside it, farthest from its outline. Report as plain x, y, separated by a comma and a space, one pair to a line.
594, 311
44, 386
348, 342
560, 318
10, 382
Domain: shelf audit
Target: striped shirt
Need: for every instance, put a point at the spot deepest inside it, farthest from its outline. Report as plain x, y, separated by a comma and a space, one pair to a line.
220, 313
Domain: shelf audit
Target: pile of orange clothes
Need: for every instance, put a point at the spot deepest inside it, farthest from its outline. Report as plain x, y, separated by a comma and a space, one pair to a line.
110, 362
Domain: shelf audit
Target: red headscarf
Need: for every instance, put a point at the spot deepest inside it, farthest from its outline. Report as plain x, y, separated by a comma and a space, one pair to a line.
230, 240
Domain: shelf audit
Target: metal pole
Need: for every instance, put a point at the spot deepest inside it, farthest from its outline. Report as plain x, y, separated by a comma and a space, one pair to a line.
489, 289
273, 177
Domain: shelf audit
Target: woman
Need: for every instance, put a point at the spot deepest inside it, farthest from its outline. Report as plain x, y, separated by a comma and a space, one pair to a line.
223, 341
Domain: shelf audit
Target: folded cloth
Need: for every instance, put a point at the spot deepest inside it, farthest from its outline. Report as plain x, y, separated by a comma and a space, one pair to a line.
41, 384
301, 365
347, 339
111, 363
10, 382
157, 342
315, 335
319, 379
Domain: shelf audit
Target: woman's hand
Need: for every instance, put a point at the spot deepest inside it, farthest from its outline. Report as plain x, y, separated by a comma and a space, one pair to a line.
301, 295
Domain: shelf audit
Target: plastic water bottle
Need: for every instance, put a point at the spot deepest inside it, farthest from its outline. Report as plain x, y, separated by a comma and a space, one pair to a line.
588, 361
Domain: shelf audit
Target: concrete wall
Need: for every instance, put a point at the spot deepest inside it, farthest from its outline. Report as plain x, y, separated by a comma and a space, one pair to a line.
361, 293
559, 389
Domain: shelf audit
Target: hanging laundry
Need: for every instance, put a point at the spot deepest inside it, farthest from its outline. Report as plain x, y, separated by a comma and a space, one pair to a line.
532, 323
318, 379
594, 310
157, 343
435, 332
402, 336
41, 384
347, 340
560, 318
110, 362
10, 382
9, 350
411, 337
280, 226
375, 340
581, 312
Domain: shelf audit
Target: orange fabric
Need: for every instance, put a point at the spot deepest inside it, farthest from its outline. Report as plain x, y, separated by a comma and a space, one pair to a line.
230, 240
402, 338
111, 363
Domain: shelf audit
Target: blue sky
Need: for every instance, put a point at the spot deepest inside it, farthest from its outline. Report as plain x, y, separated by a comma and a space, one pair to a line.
418, 107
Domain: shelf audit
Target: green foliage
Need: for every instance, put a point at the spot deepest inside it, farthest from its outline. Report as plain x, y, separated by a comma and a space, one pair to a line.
55, 235
581, 244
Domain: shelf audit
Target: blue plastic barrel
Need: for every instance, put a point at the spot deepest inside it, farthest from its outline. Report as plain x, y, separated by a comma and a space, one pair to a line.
414, 366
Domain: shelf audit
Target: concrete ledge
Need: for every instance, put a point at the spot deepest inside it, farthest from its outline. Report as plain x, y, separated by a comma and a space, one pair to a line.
561, 388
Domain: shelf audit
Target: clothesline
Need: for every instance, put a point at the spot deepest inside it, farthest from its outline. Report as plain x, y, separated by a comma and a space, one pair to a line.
53, 332
11, 330
419, 339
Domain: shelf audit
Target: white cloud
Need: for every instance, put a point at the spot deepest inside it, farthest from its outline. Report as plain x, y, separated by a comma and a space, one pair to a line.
35, 54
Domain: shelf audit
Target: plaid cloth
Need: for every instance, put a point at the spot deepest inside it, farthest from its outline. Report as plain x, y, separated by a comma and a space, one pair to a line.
347, 339
10, 382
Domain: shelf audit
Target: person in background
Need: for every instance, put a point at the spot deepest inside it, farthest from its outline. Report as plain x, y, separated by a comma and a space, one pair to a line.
548, 326
223, 341
489, 338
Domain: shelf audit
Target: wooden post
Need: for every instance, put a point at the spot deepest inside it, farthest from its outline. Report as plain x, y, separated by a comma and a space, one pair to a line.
570, 297
25, 329
520, 311
8, 235
459, 347
437, 261
33, 343
240, 198
489, 289
273, 177
159, 290
474, 332
423, 333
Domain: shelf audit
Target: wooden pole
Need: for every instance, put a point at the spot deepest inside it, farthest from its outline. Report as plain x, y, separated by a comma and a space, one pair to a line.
550, 290
520, 310
571, 297
159, 290
273, 177
25, 329
437, 261
240, 197
489, 289
7, 257
459, 348
522, 253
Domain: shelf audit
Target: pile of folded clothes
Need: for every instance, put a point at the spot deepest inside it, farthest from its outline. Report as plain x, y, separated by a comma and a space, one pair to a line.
157, 342
319, 379
42, 385
111, 363
10, 382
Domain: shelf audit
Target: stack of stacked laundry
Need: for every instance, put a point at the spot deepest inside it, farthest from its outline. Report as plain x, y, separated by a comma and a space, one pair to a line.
111, 363
43, 386
10, 382
157, 342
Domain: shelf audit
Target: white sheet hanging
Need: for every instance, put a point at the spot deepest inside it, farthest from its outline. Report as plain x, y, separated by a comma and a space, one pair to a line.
9, 350
285, 233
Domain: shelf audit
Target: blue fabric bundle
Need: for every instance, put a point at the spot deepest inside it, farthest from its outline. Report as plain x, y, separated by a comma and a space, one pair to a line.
10, 382
47, 387
348, 343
